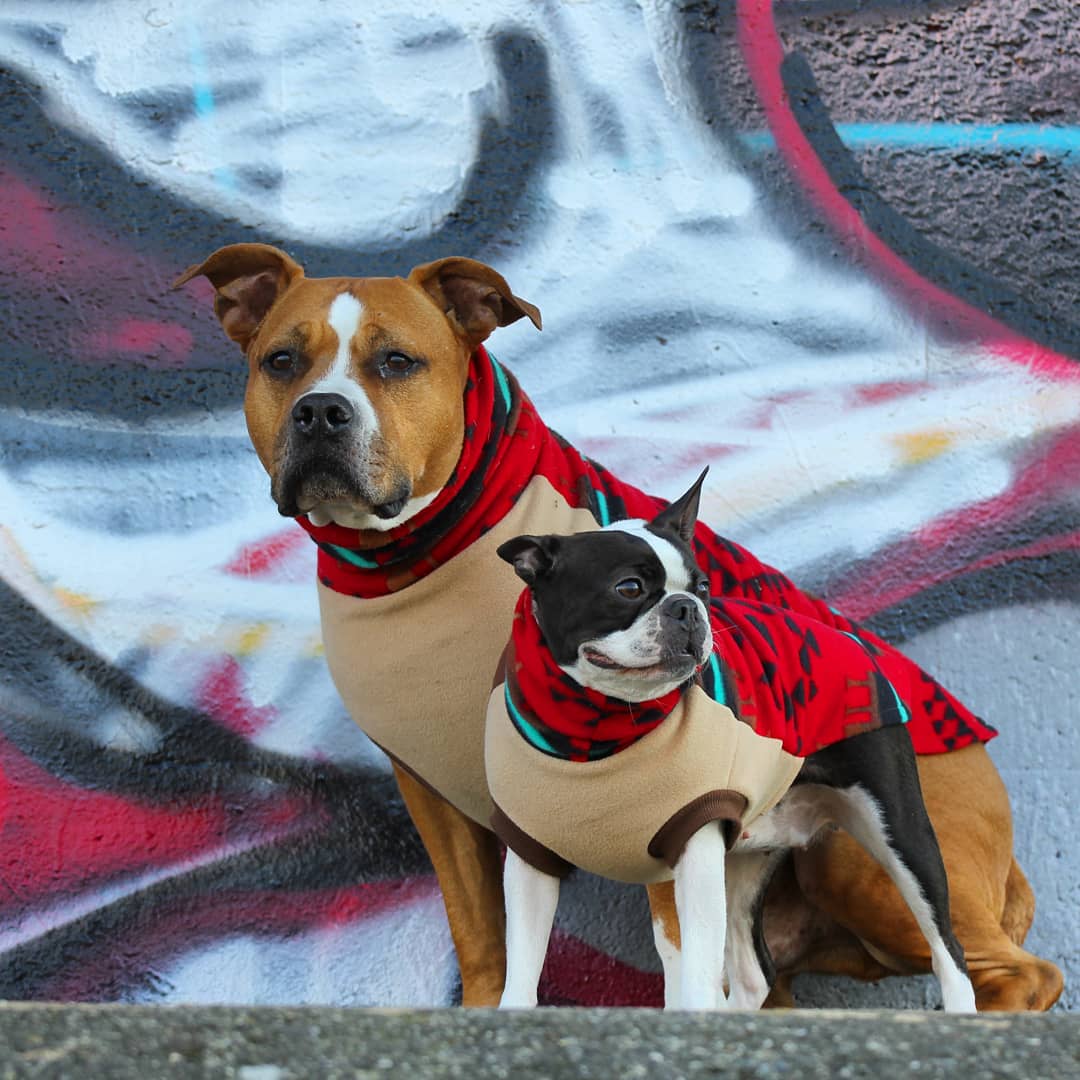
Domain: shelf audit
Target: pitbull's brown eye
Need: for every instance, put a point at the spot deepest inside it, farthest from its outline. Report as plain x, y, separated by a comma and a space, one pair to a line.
396, 363
279, 363
630, 589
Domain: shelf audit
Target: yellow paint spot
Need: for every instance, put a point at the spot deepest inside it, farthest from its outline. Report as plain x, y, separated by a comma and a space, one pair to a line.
76, 602
917, 446
159, 635
252, 639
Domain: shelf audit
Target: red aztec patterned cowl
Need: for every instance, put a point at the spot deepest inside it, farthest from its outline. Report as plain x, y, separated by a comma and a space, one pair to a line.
558, 715
788, 676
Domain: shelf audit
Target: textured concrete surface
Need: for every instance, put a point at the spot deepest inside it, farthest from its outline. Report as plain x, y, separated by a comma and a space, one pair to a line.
125, 1042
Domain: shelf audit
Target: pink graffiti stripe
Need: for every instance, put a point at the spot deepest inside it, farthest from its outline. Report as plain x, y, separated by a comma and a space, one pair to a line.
187, 925
140, 337
763, 53
57, 250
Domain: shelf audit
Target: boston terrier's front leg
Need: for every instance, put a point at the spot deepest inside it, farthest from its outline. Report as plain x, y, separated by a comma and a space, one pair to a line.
701, 904
531, 899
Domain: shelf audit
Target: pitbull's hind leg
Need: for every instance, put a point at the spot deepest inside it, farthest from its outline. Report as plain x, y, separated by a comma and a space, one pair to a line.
990, 901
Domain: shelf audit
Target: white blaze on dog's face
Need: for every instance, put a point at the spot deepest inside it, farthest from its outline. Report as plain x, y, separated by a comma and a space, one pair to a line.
624, 610
354, 398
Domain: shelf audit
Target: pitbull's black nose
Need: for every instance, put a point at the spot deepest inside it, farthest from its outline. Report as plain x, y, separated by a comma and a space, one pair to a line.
682, 609
322, 415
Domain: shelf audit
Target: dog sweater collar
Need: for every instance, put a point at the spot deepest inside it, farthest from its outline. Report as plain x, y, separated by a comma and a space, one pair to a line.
558, 715
485, 476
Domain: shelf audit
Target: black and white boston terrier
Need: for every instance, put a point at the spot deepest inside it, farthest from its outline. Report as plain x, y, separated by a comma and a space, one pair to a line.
643, 731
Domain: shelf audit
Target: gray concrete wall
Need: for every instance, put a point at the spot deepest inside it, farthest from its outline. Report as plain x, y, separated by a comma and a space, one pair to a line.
827, 247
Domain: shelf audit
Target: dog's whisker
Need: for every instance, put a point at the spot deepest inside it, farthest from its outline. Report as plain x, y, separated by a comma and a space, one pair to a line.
723, 630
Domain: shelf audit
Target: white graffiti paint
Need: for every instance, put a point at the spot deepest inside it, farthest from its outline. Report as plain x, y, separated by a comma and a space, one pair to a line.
336, 965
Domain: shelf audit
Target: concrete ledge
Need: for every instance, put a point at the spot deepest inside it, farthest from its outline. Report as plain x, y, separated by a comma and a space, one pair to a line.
266, 1043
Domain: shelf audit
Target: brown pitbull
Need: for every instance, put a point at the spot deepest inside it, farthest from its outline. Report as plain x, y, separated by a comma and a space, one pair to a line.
354, 404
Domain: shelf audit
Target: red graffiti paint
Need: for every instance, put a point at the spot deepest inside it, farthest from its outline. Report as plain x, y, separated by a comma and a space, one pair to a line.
879, 393
578, 974
283, 556
222, 693
56, 837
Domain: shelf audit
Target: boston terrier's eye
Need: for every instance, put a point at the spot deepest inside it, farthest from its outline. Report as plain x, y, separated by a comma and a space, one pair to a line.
280, 364
396, 364
702, 588
630, 589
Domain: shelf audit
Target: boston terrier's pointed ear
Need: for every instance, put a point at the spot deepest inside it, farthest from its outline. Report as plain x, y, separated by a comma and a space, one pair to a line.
681, 516
531, 556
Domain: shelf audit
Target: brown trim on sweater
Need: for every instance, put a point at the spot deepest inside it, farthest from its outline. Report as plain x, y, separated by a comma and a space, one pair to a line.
525, 847
726, 807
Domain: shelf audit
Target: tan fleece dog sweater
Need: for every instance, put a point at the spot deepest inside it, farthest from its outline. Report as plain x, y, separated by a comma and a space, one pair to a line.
628, 816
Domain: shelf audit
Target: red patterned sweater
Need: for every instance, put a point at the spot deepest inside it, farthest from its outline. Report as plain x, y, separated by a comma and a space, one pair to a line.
506, 444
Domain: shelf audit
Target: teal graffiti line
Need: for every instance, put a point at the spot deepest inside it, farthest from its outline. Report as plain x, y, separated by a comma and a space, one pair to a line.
203, 95
1028, 138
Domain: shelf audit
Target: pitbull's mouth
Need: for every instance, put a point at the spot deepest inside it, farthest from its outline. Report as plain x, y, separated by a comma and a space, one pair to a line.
356, 514
390, 509
326, 492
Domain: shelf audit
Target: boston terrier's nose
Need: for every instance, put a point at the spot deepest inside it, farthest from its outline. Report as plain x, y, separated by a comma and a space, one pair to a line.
317, 416
682, 610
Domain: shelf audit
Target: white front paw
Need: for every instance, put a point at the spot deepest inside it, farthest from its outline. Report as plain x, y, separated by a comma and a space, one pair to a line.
515, 1000
703, 996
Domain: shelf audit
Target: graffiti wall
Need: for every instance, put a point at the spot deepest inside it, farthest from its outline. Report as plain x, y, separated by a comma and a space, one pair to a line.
826, 246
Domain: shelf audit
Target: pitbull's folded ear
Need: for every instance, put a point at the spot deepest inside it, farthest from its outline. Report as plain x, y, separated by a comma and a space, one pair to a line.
531, 556
249, 279
475, 298
681, 516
